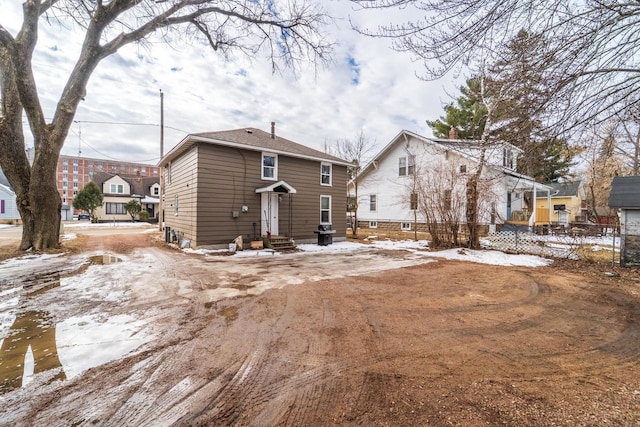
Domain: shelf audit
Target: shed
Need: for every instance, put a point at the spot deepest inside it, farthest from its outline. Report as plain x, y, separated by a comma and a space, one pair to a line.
625, 196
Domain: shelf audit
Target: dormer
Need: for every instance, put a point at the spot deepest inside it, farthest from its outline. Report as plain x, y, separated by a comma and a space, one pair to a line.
116, 186
154, 190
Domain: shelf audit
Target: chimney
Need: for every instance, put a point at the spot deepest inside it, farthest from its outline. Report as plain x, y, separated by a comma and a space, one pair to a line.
273, 130
453, 133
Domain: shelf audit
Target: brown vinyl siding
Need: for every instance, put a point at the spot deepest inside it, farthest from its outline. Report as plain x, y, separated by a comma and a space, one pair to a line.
226, 178
184, 184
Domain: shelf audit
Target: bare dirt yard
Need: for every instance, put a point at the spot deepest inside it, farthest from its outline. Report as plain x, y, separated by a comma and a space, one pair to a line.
369, 337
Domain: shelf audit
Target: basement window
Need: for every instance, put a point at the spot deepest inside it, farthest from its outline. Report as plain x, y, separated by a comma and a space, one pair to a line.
405, 226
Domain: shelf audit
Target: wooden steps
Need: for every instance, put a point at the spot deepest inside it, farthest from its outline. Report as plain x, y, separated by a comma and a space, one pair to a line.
281, 243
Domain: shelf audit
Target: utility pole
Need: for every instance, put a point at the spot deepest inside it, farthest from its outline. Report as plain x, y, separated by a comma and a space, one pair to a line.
160, 171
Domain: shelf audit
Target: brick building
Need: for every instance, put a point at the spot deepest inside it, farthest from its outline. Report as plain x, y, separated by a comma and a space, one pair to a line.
75, 172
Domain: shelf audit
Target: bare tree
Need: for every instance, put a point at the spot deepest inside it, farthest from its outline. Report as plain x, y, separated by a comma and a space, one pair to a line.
603, 162
591, 58
288, 31
357, 151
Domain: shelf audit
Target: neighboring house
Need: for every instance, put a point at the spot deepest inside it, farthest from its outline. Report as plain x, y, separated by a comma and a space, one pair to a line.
251, 183
567, 203
625, 196
118, 189
8, 208
74, 172
412, 171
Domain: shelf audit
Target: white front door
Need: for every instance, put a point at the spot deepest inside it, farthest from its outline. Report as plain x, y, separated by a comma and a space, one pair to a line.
269, 214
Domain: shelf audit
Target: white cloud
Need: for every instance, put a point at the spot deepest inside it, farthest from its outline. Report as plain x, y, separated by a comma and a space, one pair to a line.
203, 91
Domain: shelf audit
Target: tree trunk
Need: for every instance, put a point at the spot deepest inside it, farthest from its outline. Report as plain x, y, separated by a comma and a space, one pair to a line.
472, 213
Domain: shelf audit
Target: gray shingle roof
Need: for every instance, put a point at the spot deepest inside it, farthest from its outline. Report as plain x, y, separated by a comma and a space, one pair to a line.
260, 139
253, 139
140, 185
625, 192
562, 189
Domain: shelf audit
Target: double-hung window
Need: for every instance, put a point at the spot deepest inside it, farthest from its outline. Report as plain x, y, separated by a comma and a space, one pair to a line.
406, 165
325, 174
325, 209
373, 203
269, 166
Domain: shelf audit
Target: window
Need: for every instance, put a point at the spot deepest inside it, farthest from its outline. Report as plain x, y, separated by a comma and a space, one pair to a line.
406, 165
64, 184
414, 201
64, 201
75, 161
75, 184
168, 174
65, 167
75, 193
75, 168
325, 174
507, 158
116, 189
90, 163
405, 226
269, 166
65, 176
373, 224
100, 165
325, 209
463, 168
156, 191
65, 161
373, 203
1, 206
75, 177
114, 208
175, 206
64, 192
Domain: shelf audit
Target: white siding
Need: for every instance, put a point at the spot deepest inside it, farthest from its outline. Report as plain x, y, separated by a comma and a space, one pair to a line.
10, 207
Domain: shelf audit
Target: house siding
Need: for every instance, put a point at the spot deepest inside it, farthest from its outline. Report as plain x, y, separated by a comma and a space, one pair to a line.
184, 184
8, 200
630, 229
225, 179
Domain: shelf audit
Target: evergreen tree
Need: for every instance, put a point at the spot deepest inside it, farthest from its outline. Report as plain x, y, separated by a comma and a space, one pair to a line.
88, 199
467, 114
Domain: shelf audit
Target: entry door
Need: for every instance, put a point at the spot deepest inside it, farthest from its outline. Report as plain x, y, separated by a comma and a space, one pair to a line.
563, 218
269, 214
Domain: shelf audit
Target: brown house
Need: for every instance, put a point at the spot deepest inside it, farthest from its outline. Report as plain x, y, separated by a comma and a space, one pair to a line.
251, 183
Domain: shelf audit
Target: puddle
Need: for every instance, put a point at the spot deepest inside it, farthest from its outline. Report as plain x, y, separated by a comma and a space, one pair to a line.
31, 340
103, 260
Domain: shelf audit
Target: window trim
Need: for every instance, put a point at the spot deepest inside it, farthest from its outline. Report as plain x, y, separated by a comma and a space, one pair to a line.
373, 202
330, 174
325, 196
403, 228
113, 188
168, 174
407, 165
373, 224
275, 167
114, 208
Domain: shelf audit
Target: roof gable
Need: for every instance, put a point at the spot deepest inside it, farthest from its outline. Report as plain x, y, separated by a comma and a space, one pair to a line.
625, 192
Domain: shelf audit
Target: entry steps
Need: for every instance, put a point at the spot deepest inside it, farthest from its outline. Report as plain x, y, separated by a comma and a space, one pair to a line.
281, 243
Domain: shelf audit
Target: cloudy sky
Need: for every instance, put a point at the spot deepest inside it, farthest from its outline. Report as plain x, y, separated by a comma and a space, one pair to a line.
369, 87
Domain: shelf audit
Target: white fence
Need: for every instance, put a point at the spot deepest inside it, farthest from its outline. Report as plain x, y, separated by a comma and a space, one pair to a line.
557, 246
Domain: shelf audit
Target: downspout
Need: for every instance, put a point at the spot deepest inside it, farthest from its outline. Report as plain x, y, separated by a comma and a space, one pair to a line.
532, 218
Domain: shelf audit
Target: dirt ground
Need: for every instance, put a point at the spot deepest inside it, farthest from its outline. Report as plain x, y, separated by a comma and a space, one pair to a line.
365, 338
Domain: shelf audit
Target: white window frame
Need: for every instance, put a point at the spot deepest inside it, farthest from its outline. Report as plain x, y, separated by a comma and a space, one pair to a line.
116, 188
406, 165
373, 224
274, 167
405, 226
168, 174
373, 202
324, 175
324, 196
175, 206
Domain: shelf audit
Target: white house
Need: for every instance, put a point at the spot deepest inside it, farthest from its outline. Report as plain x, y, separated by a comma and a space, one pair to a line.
8, 208
118, 189
413, 171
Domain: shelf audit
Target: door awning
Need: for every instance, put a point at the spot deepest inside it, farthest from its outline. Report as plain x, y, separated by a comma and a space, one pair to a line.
278, 187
